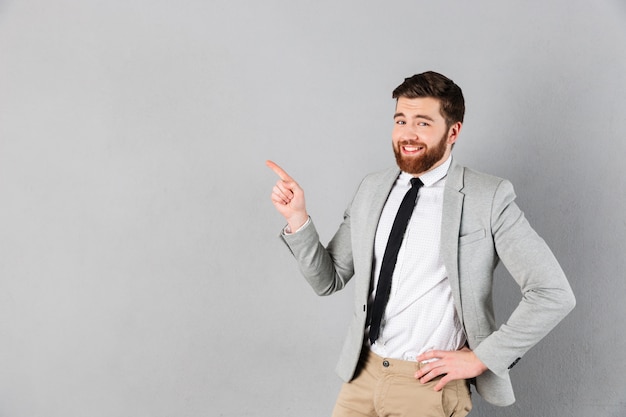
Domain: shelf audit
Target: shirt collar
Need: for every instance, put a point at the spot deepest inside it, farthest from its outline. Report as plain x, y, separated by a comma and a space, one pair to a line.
430, 177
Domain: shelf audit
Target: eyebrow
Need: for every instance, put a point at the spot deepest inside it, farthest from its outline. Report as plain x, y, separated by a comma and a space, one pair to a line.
418, 116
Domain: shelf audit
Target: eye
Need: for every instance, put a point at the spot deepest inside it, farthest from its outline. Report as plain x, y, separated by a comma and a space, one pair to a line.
400, 122
423, 124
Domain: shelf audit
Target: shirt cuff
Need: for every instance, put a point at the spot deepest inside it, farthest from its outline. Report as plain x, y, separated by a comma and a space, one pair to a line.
287, 230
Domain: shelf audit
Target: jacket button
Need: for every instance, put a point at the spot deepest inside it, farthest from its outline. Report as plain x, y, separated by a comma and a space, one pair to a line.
386, 364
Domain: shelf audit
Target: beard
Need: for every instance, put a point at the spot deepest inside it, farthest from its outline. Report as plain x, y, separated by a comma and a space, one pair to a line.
423, 162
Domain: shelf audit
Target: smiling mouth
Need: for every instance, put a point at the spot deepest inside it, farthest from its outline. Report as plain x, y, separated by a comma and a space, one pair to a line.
412, 149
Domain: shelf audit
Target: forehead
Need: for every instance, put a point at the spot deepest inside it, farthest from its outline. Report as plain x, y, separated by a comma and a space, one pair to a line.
411, 107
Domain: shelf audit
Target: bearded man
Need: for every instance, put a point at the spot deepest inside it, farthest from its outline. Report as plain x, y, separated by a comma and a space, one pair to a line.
422, 243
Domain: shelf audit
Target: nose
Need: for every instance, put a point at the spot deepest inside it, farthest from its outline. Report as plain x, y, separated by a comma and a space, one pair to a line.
409, 132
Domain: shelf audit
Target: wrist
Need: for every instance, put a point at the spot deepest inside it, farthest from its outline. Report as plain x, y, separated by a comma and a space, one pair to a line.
297, 221
480, 365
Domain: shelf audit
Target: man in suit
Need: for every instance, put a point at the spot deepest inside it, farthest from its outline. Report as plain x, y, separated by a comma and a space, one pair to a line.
422, 242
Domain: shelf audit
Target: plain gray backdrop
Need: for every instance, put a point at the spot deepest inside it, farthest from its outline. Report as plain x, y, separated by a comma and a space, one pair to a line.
140, 269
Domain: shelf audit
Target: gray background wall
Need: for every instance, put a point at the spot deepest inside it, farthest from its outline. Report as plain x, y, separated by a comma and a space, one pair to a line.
140, 273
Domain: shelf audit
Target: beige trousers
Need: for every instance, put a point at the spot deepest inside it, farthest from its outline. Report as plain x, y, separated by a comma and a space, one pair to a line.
387, 387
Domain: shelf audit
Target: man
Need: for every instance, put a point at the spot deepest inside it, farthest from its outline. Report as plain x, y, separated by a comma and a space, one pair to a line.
422, 243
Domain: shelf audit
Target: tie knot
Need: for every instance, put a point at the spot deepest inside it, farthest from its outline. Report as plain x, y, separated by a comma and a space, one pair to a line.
416, 182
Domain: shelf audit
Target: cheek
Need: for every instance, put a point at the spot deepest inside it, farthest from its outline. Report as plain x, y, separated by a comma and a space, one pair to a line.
396, 143
396, 135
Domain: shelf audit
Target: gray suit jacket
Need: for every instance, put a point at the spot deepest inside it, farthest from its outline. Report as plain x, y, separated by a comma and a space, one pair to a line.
481, 225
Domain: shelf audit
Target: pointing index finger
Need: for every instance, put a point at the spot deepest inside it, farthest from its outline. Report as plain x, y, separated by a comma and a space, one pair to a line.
278, 171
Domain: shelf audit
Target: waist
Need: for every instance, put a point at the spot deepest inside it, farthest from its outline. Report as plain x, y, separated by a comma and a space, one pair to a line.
396, 366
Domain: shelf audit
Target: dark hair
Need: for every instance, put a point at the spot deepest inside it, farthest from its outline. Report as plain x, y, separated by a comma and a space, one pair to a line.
435, 85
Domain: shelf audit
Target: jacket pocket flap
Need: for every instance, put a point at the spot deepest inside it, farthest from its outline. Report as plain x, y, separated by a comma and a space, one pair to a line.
472, 237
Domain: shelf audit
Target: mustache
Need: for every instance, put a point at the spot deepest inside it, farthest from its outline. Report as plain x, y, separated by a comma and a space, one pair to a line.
411, 143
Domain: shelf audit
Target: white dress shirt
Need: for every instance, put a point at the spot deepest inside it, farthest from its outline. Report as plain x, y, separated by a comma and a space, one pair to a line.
420, 314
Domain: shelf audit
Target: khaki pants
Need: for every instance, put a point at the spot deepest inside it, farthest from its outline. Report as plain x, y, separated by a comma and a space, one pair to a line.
387, 387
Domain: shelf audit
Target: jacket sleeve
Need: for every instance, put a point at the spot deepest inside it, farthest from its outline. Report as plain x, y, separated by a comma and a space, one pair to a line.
327, 269
546, 294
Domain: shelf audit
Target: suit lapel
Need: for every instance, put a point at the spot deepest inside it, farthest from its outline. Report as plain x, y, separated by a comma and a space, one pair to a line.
450, 226
377, 202
375, 198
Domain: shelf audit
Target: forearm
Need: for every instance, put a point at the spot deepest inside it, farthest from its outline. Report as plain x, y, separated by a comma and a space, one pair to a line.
539, 311
320, 266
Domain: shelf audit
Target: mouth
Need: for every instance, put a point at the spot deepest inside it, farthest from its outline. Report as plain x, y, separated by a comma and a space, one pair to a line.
412, 149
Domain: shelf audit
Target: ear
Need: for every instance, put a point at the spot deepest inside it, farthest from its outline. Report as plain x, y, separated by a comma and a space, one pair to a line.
453, 132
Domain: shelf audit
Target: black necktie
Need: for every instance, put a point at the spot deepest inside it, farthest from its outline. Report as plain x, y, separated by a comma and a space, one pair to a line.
383, 289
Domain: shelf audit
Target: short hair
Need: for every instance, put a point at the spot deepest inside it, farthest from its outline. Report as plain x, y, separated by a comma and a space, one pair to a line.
435, 85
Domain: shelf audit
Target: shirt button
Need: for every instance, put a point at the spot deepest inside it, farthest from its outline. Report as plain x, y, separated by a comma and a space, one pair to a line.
386, 364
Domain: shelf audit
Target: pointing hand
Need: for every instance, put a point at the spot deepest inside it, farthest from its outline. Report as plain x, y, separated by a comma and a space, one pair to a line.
288, 198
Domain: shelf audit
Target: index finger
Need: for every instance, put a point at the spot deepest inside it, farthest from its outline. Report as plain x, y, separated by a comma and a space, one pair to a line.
278, 171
